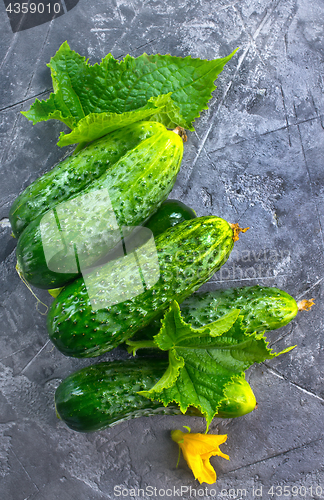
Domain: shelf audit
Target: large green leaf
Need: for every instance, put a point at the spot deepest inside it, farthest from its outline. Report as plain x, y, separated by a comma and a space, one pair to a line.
116, 87
204, 361
52, 109
97, 125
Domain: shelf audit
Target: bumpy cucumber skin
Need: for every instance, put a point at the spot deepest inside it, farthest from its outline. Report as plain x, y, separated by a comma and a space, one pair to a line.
137, 184
105, 394
263, 309
170, 213
73, 174
188, 255
239, 401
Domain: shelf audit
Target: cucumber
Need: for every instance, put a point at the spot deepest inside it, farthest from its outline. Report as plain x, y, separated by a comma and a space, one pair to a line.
239, 401
262, 308
73, 174
188, 254
56, 246
170, 213
105, 394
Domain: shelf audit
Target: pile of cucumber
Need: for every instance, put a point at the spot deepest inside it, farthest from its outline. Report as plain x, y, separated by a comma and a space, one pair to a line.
76, 220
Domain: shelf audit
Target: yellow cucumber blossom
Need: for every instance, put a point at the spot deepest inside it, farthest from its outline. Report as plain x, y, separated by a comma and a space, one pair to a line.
197, 450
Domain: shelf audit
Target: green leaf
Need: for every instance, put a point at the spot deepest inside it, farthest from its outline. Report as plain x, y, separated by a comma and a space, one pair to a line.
55, 292
172, 373
170, 116
202, 363
52, 109
175, 332
117, 87
97, 125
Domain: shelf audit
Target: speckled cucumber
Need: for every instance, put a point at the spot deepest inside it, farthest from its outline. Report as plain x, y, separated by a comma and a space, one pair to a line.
105, 394
188, 254
56, 246
262, 308
73, 174
170, 213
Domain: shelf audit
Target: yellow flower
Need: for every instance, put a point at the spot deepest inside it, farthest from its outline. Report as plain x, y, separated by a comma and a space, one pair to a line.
197, 450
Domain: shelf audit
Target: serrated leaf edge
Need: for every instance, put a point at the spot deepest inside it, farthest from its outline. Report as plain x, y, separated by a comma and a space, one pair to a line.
65, 47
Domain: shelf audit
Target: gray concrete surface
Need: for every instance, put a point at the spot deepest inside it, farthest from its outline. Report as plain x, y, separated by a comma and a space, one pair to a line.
256, 158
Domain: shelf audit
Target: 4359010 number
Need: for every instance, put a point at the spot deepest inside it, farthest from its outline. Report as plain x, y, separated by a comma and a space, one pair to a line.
294, 491
33, 8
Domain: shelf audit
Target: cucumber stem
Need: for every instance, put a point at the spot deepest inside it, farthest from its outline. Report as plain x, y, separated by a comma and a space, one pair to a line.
181, 131
132, 346
80, 146
57, 413
31, 291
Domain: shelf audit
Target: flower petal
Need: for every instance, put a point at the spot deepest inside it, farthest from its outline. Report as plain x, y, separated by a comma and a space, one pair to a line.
197, 449
194, 461
209, 475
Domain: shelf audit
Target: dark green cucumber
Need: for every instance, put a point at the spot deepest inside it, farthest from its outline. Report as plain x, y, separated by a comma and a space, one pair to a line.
73, 174
170, 213
56, 246
262, 308
105, 394
188, 254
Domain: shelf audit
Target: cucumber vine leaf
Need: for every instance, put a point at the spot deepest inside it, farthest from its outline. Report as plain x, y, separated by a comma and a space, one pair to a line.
204, 361
97, 125
88, 96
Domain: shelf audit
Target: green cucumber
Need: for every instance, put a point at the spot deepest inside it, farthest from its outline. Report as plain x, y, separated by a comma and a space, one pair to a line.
58, 245
105, 394
73, 174
262, 308
239, 401
170, 213
188, 254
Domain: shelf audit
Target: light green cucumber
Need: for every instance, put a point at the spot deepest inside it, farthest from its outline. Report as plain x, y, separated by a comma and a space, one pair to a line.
61, 243
73, 174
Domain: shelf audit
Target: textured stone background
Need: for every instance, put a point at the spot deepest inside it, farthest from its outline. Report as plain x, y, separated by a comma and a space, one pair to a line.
256, 158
